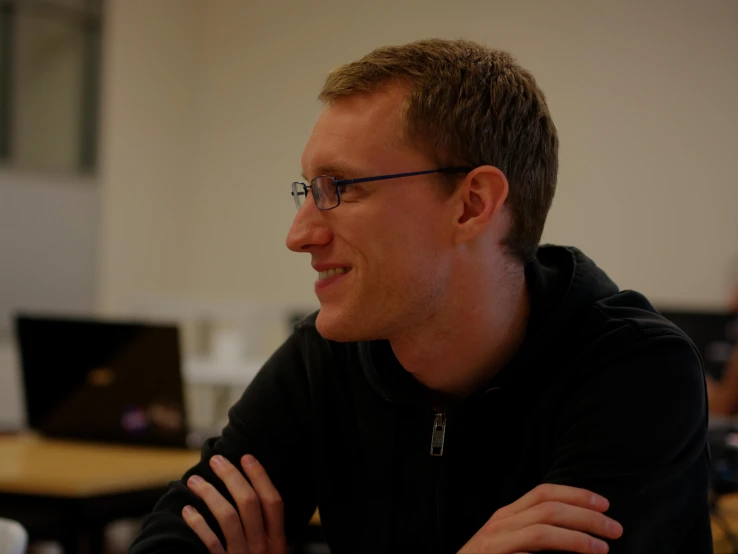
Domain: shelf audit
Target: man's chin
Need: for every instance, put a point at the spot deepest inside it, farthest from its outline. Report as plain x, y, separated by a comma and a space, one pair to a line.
338, 327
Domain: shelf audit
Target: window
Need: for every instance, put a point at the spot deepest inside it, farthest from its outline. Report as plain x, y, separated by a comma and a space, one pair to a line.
49, 84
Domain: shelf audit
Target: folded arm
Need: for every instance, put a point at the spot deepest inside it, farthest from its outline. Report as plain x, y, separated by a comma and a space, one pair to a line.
271, 422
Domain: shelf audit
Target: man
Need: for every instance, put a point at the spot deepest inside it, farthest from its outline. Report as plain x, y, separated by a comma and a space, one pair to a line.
460, 388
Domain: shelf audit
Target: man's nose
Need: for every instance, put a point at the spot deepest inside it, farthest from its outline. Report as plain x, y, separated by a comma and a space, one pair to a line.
309, 228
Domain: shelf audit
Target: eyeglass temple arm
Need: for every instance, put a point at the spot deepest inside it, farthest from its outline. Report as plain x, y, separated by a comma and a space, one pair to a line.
396, 175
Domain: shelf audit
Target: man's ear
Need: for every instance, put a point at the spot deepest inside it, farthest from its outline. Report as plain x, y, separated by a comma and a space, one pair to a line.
478, 201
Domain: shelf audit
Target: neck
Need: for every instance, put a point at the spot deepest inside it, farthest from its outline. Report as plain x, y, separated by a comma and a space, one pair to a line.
457, 350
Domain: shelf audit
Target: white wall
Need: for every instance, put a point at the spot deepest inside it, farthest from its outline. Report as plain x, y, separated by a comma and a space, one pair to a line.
149, 161
48, 248
209, 105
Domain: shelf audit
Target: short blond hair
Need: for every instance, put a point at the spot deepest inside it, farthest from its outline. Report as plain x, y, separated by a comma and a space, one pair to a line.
470, 105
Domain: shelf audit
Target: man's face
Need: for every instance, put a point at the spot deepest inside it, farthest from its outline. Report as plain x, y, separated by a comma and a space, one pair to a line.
394, 237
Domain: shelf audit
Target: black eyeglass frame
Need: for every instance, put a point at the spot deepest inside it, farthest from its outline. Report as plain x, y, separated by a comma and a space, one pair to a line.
339, 183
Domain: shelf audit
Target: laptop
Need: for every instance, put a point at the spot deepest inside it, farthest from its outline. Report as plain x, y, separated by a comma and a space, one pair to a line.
715, 334
102, 381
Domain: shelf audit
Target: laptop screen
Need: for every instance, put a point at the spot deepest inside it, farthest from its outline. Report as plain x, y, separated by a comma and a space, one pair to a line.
103, 381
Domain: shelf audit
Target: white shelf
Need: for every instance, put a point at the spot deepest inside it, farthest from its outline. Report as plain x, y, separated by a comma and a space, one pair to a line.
208, 371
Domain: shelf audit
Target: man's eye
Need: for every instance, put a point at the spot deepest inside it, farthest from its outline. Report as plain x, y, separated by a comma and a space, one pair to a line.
351, 187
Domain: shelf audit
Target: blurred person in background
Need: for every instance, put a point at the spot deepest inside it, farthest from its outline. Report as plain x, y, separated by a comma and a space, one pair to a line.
461, 388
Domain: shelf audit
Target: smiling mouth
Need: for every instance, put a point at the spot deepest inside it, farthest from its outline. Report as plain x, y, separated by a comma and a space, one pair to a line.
332, 272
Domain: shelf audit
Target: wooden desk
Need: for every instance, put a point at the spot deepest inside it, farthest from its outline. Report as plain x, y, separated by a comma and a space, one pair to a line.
68, 490
728, 510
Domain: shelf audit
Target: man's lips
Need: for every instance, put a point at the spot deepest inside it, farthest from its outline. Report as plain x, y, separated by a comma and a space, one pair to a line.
325, 266
330, 273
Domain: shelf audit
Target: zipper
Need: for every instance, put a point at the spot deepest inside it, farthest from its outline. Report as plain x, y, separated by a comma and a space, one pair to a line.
438, 438
439, 434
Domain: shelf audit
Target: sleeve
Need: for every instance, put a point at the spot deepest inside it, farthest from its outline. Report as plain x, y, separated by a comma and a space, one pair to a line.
271, 421
635, 432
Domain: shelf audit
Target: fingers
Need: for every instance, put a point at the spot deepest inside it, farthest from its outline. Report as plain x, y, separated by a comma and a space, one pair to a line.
272, 507
549, 518
547, 537
562, 515
535, 538
257, 522
247, 502
555, 493
198, 524
226, 515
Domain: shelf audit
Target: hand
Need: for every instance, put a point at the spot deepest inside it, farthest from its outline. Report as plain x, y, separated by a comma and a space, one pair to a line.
550, 517
257, 527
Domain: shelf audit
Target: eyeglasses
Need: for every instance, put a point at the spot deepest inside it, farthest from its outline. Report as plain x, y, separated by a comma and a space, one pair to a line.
327, 190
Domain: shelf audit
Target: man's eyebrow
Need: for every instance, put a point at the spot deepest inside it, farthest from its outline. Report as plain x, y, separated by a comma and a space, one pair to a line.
334, 170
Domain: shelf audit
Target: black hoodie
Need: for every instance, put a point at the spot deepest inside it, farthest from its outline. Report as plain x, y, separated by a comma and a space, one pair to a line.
604, 394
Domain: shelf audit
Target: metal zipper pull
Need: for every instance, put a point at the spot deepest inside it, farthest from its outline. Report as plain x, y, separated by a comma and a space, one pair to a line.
439, 434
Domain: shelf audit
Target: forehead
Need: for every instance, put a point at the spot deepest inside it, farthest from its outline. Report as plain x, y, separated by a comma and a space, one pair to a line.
361, 132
